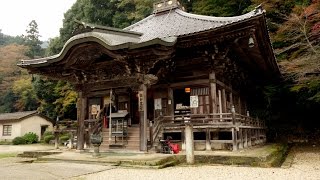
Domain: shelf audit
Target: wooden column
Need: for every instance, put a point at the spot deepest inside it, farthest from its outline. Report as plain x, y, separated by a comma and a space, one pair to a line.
183, 139
81, 128
213, 92
241, 138
220, 104
170, 100
249, 137
143, 116
239, 104
245, 144
224, 100
208, 145
234, 131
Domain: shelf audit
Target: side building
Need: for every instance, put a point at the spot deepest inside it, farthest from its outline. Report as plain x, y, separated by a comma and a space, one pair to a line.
19, 123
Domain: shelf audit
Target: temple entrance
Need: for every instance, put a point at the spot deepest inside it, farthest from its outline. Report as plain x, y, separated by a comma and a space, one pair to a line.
182, 101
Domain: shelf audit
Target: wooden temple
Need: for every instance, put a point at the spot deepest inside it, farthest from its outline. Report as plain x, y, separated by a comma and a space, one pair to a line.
170, 68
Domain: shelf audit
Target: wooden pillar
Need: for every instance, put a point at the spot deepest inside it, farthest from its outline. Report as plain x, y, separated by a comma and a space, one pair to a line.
143, 117
220, 104
234, 131
208, 145
249, 137
239, 104
241, 138
213, 92
170, 103
245, 144
183, 139
189, 143
81, 128
224, 100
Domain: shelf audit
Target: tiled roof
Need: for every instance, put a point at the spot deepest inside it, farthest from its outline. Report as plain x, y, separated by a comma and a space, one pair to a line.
16, 115
175, 23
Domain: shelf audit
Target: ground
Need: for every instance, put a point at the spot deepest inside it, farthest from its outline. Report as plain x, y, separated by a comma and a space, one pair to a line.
305, 165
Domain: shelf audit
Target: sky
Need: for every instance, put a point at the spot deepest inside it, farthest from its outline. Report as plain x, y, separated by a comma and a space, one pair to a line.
15, 15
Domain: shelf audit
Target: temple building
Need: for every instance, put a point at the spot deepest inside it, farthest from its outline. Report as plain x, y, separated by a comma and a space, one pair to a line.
166, 70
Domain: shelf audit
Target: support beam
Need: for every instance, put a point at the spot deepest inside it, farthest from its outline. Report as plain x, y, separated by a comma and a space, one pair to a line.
224, 100
143, 117
170, 102
213, 92
245, 144
234, 130
208, 138
220, 104
241, 138
81, 128
249, 138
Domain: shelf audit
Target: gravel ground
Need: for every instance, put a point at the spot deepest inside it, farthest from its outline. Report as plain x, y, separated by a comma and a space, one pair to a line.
305, 166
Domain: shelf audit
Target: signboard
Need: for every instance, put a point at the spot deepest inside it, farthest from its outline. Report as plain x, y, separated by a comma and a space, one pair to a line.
157, 104
95, 109
140, 100
194, 101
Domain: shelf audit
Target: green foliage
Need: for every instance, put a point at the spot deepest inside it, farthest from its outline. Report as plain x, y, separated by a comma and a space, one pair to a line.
56, 98
27, 96
31, 138
64, 138
220, 7
32, 40
18, 140
48, 138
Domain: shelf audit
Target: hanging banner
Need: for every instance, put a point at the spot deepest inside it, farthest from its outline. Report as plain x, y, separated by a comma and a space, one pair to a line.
140, 99
157, 104
194, 101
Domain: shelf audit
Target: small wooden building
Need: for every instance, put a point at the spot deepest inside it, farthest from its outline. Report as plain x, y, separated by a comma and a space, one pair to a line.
170, 68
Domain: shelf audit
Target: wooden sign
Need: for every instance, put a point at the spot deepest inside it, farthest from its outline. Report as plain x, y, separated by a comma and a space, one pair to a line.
157, 104
140, 100
95, 109
194, 101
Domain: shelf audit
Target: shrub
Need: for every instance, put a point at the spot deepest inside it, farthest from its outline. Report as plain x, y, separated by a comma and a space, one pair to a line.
64, 138
18, 140
31, 138
48, 138
47, 133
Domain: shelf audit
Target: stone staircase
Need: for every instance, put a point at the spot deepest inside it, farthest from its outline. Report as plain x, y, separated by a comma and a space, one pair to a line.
131, 142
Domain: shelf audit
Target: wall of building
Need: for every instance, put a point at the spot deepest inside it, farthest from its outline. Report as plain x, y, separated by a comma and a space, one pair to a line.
33, 124
15, 131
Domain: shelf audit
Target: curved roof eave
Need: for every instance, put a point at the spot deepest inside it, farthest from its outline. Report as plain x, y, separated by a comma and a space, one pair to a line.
130, 43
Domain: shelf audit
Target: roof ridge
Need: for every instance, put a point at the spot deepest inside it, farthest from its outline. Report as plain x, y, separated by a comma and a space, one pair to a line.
257, 11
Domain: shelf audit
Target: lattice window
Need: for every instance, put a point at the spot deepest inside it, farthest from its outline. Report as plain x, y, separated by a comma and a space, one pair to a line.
7, 130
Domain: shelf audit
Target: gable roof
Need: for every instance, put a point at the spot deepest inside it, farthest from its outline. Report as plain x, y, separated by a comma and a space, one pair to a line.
21, 115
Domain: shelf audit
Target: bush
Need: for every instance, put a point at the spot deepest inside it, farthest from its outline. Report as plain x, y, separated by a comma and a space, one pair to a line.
31, 138
18, 140
47, 133
64, 138
48, 138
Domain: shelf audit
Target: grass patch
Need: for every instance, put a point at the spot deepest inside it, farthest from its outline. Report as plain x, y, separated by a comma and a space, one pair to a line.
5, 143
6, 155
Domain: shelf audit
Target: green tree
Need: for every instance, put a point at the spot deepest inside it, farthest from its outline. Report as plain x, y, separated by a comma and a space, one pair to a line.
27, 100
220, 7
32, 40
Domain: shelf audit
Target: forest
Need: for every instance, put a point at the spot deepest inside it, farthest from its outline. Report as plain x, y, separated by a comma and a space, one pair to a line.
294, 27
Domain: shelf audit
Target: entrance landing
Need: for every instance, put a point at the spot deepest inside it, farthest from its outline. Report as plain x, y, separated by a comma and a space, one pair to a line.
265, 156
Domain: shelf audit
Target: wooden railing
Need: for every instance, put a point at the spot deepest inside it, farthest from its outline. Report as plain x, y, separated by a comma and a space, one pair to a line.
227, 120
